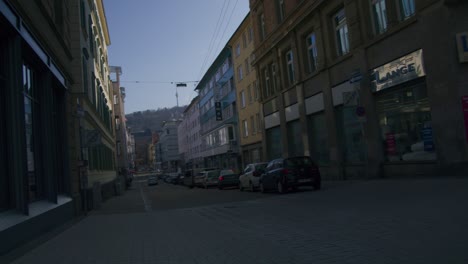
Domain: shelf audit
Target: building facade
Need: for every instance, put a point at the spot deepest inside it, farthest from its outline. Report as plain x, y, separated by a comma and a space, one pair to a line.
248, 94
36, 183
141, 141
218, 114
120, 122
358, 86
189, 137
169, 146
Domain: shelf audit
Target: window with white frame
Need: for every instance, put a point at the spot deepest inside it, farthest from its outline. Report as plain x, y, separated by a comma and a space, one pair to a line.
266, 75
379, 13
250, 34
242, 98
246, 128
290, 67
261, 22
312, 54
341, 31
281, 12
407, 8
275, 77
238, 50
240, 74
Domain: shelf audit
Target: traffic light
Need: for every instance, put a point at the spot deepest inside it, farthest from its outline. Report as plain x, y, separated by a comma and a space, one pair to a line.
218, 111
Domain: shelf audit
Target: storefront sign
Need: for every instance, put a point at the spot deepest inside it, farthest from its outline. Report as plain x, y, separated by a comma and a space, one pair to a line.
406, 68
462, 44
428, 139
465, 113
391, 144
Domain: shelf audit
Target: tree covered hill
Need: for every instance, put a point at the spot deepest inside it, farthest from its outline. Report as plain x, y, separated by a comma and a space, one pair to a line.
152, 119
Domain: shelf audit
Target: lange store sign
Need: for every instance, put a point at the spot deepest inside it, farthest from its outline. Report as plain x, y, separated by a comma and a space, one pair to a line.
398, 71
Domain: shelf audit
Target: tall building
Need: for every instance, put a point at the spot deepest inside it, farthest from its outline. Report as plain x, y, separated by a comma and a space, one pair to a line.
358, 85
141, 141
169, 146
92, 95
37, 187
121, 132
189, 137
218, 114
248, 94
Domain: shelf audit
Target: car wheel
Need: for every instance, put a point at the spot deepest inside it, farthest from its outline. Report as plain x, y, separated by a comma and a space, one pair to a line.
252, 188
280, 187
240, 187
205, 186
220, 187
262, 188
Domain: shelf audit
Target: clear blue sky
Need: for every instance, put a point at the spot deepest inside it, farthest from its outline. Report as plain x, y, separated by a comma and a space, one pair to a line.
167, 41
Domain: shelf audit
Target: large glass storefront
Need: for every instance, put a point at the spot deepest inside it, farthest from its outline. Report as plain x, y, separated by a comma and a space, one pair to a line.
318, 138
405, 121
273, 142
295, 146
4, 181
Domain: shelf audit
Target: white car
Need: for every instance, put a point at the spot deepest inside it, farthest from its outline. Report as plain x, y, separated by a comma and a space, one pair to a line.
251, 176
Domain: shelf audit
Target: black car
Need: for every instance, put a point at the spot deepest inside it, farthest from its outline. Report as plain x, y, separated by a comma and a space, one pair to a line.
282, 174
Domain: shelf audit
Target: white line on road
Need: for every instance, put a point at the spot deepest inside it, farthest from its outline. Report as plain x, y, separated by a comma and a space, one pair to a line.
145, 200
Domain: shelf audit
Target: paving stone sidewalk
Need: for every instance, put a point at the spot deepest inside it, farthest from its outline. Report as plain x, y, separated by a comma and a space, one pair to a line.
378, 221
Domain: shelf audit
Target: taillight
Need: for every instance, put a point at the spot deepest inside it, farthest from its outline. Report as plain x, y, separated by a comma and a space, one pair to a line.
285, 171
221, 178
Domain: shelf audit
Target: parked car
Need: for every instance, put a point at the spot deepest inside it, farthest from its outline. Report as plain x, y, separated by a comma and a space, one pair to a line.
210, 178
227, 178
199, 178
190, 175
172, 178
152, 179
251, 177
281, 174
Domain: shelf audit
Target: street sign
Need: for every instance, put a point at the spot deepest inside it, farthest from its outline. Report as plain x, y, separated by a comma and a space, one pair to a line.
218, 111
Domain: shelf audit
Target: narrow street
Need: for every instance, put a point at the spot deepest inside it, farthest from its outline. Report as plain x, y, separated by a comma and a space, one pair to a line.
379, 221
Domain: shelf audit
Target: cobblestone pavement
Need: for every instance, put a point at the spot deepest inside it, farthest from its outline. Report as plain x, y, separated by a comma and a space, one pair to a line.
379, 221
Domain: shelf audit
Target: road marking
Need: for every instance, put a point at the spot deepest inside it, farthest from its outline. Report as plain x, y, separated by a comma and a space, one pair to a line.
145, 200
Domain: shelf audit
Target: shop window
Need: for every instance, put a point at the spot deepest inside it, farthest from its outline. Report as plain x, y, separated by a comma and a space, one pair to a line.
350, 135
318, 138
405, 122
295, 146
32, 133
379, 13
273, 143
4, 179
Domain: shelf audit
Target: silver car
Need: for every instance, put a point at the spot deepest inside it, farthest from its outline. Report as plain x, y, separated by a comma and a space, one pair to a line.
251, 176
